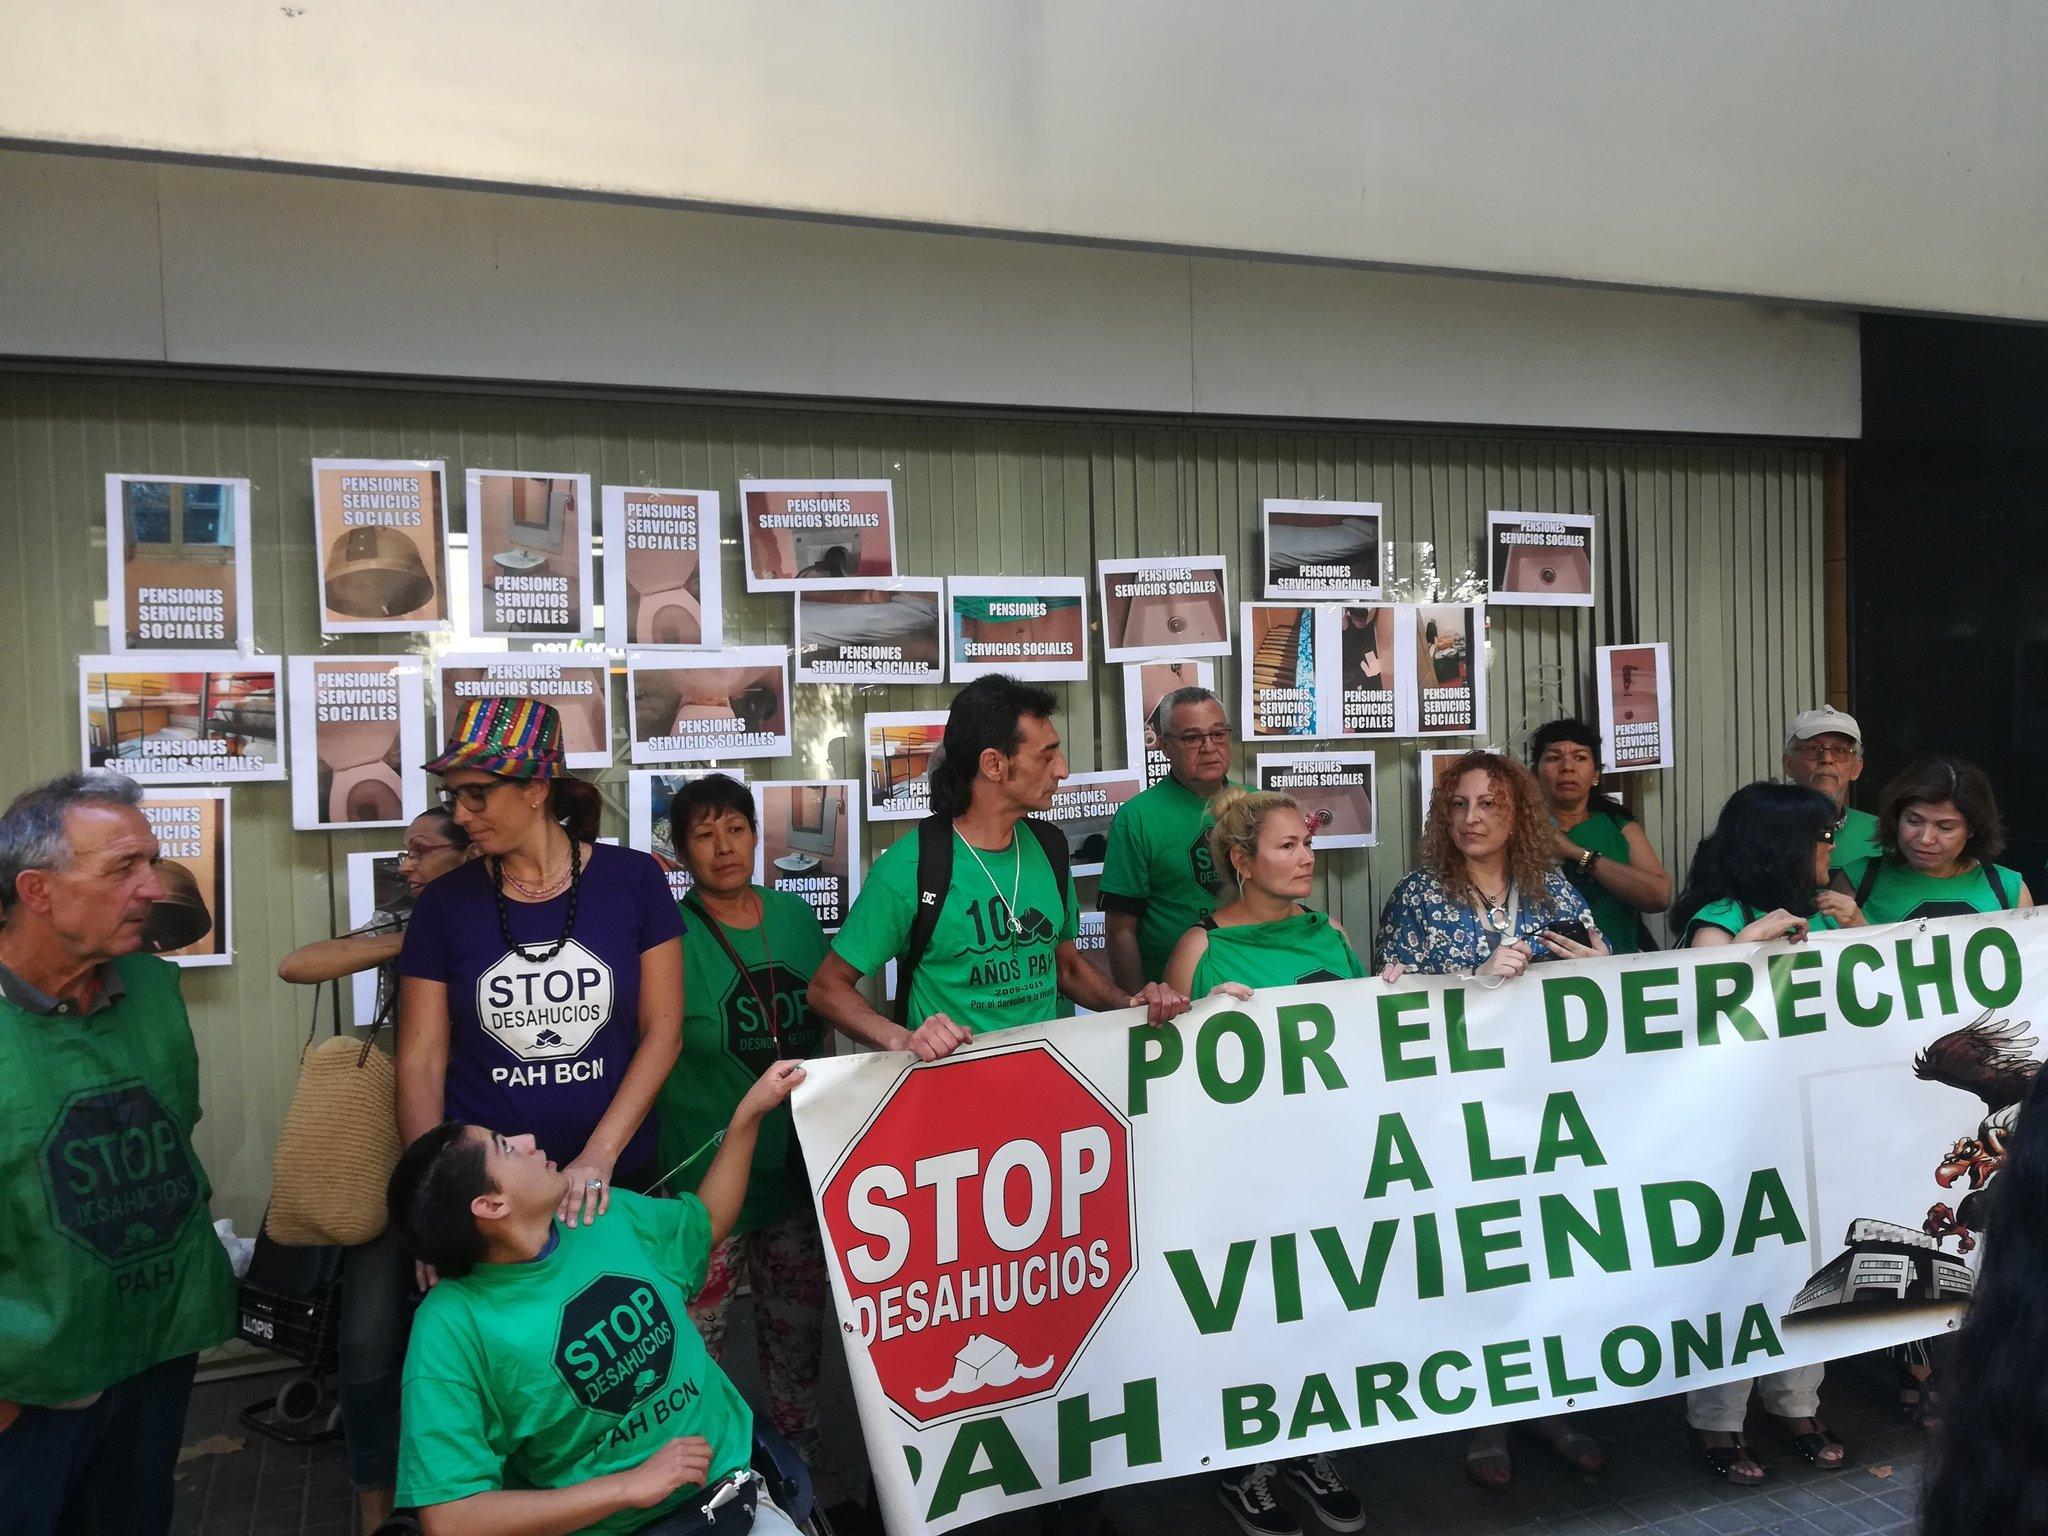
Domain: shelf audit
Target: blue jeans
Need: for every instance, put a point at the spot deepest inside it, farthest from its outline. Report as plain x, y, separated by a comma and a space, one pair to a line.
375, 1278
101, 1469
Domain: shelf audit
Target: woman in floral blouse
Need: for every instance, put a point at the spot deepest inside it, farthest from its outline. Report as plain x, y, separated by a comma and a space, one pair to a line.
1488, 901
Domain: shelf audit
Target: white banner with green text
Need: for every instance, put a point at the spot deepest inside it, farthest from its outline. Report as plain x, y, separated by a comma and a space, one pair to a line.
1086, 1254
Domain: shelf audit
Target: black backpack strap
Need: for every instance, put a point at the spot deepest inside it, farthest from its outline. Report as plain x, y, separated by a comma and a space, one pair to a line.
1054, 842
1869, 881
934, 879
1997, 887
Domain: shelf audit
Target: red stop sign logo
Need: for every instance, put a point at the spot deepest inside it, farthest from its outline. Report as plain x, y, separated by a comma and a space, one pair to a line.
983, 1221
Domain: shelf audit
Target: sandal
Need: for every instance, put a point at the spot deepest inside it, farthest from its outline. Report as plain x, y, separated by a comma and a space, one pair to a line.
1814, 1444
1487, 1461
1576, 1449
1727, 1460
1919, 1401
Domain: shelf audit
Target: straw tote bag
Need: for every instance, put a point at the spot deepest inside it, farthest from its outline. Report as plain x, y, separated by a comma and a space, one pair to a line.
339, 1143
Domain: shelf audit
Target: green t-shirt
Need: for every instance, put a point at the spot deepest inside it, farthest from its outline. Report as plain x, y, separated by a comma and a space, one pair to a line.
1899, 892
977, 972
727, 1042
1732, 916
1855, 839
1619, 924
1158, 866
578, 1364
108, 1260
1283, 953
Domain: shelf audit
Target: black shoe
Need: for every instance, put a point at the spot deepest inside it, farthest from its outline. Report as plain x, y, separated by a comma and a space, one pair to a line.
1317, 1479
1252, 1496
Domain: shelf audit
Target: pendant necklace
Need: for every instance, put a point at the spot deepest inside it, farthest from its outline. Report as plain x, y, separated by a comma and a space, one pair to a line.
497, 868
1016, 878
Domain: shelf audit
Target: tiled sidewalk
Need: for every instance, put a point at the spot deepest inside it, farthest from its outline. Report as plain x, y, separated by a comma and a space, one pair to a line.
1656, 1483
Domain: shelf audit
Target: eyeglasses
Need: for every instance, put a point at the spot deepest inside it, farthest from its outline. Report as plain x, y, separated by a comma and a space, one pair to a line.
414, 852
472, 797
1814, 752
1220, 737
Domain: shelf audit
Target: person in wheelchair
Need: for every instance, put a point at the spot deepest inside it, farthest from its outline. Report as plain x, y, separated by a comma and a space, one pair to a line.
554, 1383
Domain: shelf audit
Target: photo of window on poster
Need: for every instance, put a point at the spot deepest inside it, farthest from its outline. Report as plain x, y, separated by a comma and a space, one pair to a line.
193, 922
196, 717
795, 532
693, 706
1322, 551
648, 826
1539, 560
1335, 790
662, 572
379, 901
578, 684
1083, 807
380, 540
1031, 627
1633, 683
1450, 668
899, 748
358, 739
529, 554
1157, 610
1145, 684
1435, 763
178, 564
810, 843
889, 631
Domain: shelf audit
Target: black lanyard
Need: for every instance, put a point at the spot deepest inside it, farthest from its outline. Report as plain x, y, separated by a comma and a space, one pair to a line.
768, 1004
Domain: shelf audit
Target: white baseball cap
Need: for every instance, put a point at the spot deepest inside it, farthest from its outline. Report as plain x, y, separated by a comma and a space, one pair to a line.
1824, 721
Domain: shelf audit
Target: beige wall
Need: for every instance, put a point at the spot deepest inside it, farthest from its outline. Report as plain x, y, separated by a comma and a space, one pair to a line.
1867, 152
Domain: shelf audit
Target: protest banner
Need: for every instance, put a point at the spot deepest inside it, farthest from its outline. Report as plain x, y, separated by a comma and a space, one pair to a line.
178, 564
661, 568
1090, 1253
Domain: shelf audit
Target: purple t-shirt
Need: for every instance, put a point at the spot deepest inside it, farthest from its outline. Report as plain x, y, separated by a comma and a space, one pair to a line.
540, 1049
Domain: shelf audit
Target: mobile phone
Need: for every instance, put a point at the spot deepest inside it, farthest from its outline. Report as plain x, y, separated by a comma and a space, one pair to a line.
1575, 930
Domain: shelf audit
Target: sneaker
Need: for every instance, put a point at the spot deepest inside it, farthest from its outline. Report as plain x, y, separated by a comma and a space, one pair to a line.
1252, 1499
1317, 1479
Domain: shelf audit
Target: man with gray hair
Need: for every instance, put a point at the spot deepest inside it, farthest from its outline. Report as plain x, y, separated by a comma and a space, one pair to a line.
1824, 751
1158, 880
113, 1279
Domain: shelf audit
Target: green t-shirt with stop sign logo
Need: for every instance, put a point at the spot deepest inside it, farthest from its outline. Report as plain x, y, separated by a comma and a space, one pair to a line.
979, 971
111, 1264
576, 1365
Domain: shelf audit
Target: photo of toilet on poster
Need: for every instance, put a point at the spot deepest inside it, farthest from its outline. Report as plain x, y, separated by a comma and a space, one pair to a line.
889, 631
578, 684
1032, 627
1321, 671
358, 738
795, 532
1335, 790
1538, 560
1450, 668
1159, 610
898, 748
692, 706
648, 826
379, 901
178, 564
1145, 684
1326, 551
194, 717
1083, 807
380, 537
1634, 687
810, 843
192, 923
529, 554
662, 581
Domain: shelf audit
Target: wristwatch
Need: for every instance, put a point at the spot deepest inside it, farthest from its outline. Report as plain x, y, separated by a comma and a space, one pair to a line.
1591, 858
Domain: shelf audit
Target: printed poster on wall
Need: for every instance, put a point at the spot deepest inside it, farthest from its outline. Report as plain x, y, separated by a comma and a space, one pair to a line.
1032, 627
577, 683
1160, 610
871, 632
1319, 670
900, 745
379, 901
1335, 790
1450, 668
1083, 807
662, 571
1145, 684
1435, 766
1540, 561
193, 923
799, 531
196, 717
1634, 686
380, 535
810, 843
529, 554
695, 706
648, 793
1091, 942
358, 739
178, 564
1326, 550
